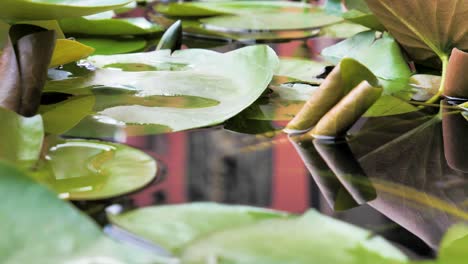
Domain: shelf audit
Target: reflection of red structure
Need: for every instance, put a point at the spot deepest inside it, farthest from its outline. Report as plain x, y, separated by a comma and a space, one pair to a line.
174, 158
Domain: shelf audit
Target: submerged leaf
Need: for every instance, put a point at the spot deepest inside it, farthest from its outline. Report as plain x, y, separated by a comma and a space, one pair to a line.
91, 170
73, 237
54, 9
235, 80
175, 227
307, 239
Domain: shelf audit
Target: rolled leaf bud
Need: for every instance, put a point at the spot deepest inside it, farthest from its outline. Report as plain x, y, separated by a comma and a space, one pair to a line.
456, 81
341, 117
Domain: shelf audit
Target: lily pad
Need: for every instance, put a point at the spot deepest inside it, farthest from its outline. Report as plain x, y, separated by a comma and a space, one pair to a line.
21, 139
175, 227
106, 46
60, 233
90, 170
55, 9
381, 54
270, 21
105, 25
235, 80
201, 9
68, 51
307, 239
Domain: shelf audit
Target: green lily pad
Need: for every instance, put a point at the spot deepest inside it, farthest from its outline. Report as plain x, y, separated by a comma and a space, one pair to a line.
21, 139
105, 25
381, 54
195, 28
235, 80
105, 46
201, 9
301, 69
342, 30
270, 21
55, 9
175, 227
312, 238
388, 105
90, 170
59, 234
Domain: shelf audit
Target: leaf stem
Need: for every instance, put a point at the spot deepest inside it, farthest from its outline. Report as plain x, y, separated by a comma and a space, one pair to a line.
445, 60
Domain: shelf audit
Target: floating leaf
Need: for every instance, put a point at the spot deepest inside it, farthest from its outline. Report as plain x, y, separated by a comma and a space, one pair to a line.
388, 105
106, 25
380, 54
344, 114
201, 9
67, 51
73, 237
175, 227
270, 21
304, 70
54, 9
172, 38
195, 28
307, 239
104, 46
342, 30
90, 170
21, 139
235, 80
436, 27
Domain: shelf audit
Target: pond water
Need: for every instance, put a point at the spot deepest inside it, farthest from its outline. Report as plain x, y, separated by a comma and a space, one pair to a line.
404, 177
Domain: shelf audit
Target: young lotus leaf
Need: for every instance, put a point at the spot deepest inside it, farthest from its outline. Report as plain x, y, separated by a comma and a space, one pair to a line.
175, 227
380, 54
270, 21
233, 80
90, 170
105, 46
201, 9
308, 239
432, 31
60, 233
105, 25
21, 139
55, 9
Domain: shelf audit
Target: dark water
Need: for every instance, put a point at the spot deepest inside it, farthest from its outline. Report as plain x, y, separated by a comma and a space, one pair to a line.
404, 177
